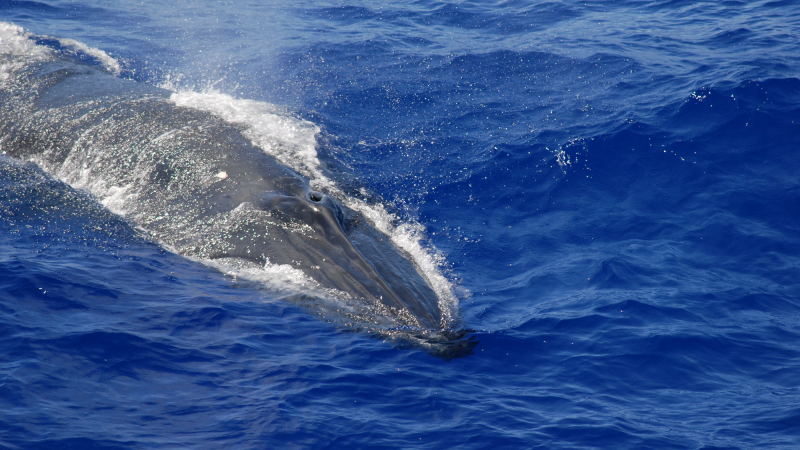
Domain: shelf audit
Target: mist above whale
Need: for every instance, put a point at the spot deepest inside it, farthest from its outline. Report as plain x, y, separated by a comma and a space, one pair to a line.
198, 185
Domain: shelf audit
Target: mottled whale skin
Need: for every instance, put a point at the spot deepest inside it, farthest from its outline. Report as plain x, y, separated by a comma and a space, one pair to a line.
168, 165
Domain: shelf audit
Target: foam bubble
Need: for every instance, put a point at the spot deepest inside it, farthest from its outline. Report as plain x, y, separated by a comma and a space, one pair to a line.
109, 63
14, 41
17, 50
408, 236
284, 279
276, 277
291, 141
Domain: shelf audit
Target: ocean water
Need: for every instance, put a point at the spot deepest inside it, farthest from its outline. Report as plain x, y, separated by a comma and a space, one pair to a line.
605, 194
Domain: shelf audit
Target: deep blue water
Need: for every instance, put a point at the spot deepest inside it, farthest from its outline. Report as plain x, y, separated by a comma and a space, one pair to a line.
614, 187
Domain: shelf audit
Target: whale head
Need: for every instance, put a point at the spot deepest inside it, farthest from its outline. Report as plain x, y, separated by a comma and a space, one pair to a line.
316, 227
287, 223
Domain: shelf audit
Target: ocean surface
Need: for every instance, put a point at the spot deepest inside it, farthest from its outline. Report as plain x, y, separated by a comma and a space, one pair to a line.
607, 195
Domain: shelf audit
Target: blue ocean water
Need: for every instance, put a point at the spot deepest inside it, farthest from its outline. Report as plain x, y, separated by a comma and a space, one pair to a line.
613, 187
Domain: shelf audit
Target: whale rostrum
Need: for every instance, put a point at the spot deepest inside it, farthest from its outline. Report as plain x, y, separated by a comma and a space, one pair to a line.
201, 188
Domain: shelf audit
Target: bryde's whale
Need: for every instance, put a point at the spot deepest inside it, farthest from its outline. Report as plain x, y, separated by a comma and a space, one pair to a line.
196, 184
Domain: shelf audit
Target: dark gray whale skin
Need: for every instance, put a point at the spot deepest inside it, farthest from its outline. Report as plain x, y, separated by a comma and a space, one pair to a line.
98, 131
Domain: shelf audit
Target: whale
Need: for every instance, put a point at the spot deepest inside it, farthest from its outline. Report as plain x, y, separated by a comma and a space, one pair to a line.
197, 185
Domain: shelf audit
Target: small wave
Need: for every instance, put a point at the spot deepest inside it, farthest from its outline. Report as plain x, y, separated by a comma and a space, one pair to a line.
16, 42
17, 50
79, 48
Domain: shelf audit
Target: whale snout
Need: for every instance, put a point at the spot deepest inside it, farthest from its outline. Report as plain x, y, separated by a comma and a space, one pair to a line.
368, 265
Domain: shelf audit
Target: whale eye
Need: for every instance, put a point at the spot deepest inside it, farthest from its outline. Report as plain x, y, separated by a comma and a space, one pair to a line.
316, 196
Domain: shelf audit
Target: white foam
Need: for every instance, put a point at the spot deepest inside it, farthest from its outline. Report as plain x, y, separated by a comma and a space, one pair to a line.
291, 141
15, 42
276, 277
109, 63
17, 50
408, 236
284, 279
